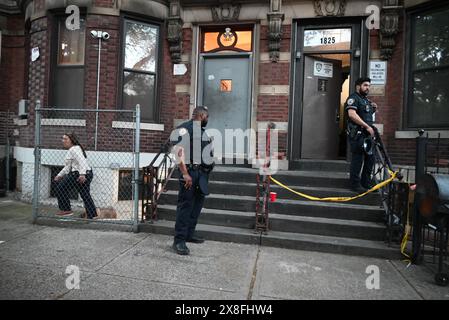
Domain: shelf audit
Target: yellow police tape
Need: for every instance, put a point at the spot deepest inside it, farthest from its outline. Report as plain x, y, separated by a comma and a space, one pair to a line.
339, 199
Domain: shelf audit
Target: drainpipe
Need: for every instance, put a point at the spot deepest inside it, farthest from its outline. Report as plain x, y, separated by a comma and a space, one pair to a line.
100, 35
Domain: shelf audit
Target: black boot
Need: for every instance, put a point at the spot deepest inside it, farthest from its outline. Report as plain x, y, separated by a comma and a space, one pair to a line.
181, 248
195, 239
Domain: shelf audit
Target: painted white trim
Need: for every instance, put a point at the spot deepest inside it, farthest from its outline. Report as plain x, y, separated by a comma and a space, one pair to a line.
25, 155
281, 126
433, 134
63, 122
20, 122
283, 57
102, 159
182, 88
281, 90
380, 128
143, 126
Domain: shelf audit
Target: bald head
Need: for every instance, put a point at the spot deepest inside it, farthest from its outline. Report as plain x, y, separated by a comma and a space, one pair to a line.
200, 113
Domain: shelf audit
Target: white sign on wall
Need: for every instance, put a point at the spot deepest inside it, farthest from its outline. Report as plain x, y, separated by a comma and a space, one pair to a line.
34, 53
323, 69
179, 69
378, 72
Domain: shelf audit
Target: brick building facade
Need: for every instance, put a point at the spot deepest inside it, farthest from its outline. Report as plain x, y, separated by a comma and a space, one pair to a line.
275, 58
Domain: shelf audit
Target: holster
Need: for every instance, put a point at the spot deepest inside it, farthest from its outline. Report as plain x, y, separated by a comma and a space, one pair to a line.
207, 168
353, 130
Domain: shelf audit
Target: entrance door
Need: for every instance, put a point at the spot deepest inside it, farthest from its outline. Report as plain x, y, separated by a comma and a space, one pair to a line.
321, 101
340, 44
226, 92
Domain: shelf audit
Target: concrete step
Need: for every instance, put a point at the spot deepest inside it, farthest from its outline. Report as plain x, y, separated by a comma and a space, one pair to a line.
343, 210
348, 246
249, 189
320, 165
286, 223
290, 178
209, 232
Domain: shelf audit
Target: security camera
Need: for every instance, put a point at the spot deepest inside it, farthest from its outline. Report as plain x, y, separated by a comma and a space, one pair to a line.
100, 34
94, 34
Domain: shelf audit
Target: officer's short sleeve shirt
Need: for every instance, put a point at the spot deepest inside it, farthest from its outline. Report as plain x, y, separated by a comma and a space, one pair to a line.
362, 106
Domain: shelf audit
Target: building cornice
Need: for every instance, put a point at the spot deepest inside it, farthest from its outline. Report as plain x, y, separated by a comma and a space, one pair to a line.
208, 3
9, 7
22, 4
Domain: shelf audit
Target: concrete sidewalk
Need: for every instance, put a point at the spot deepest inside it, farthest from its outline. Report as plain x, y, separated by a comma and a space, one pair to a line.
124, 265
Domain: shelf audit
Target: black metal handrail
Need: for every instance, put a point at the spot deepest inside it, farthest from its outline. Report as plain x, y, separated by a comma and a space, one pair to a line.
263, 187
391, 200
430, 234
155, 178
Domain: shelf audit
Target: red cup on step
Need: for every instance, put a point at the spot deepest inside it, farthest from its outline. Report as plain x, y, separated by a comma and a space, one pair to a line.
273, 196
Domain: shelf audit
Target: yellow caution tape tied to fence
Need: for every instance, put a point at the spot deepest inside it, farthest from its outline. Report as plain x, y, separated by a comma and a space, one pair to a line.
339, 199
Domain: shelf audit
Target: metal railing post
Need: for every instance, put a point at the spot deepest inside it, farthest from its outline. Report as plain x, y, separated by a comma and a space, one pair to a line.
417, 220
8, 151
136, 170
37, 160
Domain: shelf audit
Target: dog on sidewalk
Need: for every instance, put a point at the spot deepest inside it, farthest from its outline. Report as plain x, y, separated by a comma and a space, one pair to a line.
103, 213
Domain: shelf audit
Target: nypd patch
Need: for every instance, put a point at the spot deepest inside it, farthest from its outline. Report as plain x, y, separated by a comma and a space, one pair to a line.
350, 101
182, 131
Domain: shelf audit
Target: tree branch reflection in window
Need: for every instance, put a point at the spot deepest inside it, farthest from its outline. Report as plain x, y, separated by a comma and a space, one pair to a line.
141, 46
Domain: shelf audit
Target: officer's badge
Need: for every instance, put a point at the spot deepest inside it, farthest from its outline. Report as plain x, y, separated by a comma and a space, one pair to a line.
182, 131
351, 102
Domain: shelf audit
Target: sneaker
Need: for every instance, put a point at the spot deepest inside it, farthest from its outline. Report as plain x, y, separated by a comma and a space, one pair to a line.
181, 248
64, 213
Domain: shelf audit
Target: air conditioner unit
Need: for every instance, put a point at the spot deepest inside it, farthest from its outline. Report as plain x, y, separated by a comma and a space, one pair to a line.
23, 108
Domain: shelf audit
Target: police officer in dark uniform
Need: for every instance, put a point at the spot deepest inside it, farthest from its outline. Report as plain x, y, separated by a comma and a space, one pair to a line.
195, 155
360, 132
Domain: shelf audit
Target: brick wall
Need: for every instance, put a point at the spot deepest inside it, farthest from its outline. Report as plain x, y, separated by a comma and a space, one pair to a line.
392, 108
6, 126
12, 67
274, 107
172, 105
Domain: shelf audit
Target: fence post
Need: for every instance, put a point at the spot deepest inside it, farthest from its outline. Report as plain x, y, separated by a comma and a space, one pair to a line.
136, 170
8, 152
417, 220
37, 159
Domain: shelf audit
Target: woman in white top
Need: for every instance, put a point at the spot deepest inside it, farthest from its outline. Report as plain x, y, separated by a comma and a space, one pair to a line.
75, 174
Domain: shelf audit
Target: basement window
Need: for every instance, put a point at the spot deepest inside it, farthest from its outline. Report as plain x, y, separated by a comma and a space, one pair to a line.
125, 186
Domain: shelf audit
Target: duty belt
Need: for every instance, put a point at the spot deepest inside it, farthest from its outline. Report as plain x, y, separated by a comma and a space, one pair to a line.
194, 166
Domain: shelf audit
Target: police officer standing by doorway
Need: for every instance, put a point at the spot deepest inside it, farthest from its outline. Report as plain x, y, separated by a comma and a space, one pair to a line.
194, 153
360, 127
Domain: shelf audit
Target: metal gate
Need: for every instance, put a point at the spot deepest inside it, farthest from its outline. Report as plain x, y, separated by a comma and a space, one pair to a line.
110, 139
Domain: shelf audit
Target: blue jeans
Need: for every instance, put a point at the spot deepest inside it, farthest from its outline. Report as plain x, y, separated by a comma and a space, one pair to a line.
67, 184
190, 203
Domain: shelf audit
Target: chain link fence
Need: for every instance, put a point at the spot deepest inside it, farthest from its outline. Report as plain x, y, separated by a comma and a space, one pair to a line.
108, 193
7, 172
